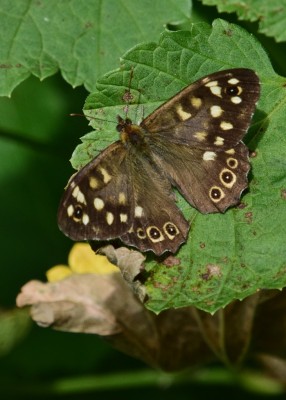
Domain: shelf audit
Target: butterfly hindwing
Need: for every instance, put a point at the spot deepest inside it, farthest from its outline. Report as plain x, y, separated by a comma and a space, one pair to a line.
211, 181
158, 224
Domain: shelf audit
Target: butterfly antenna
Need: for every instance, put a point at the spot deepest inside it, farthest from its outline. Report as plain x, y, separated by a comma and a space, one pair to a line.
91, 117
128, 96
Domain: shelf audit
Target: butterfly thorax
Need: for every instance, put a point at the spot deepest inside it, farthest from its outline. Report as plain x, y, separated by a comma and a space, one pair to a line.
130, 133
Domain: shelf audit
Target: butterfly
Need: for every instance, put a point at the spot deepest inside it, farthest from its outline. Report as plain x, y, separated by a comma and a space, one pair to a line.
192, 143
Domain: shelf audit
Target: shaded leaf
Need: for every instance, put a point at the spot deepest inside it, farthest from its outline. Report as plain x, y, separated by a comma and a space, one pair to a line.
14, 326
131, 264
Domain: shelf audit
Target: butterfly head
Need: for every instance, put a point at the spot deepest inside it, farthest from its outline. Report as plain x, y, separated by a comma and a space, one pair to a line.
129, 133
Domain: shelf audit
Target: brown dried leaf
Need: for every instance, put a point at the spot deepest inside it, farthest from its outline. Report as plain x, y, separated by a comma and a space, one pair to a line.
80, 303
130, 263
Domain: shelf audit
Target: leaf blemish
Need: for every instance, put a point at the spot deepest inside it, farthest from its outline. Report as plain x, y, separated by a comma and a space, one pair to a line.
248, 217
211, 271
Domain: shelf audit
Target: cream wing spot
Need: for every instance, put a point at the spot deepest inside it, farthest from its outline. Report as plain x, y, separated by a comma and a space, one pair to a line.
236, 100
122, 198
230, 151
93, 182
81, 198
75, 192
216, 90
219, 141
72, 184
123, 217
109, 218
209, 156
211, 83
78, 195
196, 102
85, 219
98, 204
105, 175
216, 111
183, 115
233, 81
201, 136
70, 210
226, 126
138, 212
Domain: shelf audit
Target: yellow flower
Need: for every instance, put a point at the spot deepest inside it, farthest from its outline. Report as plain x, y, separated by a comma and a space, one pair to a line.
81, 260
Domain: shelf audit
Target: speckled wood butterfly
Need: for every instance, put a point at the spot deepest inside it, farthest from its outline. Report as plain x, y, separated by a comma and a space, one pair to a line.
192, 142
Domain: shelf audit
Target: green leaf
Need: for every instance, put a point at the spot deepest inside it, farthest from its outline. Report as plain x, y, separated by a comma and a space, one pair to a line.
227, 256
271, 15
79, 38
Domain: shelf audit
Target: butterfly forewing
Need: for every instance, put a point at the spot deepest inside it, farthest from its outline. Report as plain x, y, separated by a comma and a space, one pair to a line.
97, 203
212, 113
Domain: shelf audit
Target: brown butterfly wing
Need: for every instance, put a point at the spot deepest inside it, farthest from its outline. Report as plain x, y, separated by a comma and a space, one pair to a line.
158, 224
98, 201
212, 113
210, 181
195, 138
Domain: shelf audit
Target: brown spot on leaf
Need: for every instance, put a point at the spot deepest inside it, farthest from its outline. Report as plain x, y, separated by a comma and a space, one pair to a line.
283, 194
253, 154
128, 96
211, 271
241, 205
228, 32
159, 285
248, 217
202, 245
170, 261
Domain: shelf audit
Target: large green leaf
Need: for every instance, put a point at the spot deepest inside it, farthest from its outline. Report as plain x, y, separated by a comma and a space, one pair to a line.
81, 39
271, 15
231, 255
